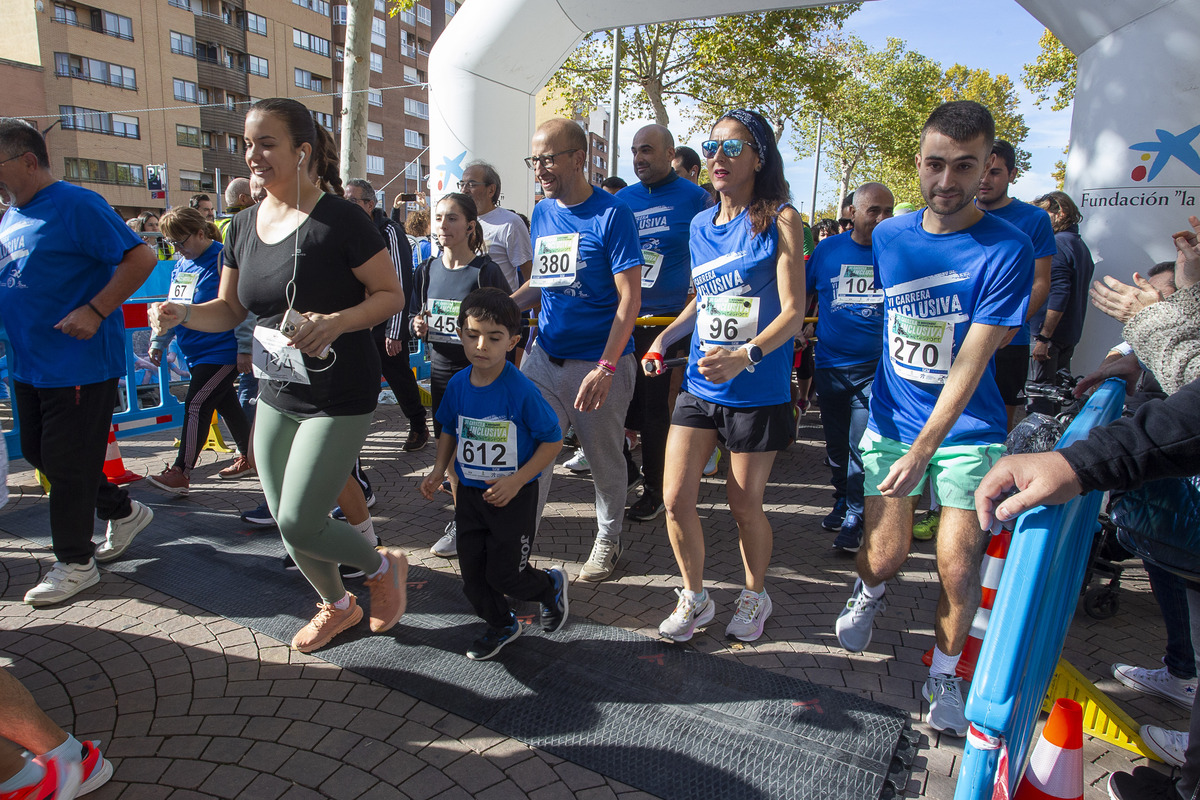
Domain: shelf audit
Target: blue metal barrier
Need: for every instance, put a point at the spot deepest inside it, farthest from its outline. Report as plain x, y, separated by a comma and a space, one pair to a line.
1034, 606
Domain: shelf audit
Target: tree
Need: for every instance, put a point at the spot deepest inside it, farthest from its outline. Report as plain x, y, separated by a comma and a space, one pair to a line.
1056, 68
999, 95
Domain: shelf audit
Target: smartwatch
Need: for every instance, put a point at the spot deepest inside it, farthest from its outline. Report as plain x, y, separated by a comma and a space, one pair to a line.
754, 352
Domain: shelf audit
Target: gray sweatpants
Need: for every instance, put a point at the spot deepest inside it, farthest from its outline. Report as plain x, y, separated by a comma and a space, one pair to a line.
601, 433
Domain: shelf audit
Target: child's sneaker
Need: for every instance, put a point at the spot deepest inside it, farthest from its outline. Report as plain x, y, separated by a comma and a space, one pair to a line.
554, 614
493, 641
689, 614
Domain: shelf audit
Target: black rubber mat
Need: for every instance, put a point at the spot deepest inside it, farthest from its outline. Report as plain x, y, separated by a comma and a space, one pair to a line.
659, 717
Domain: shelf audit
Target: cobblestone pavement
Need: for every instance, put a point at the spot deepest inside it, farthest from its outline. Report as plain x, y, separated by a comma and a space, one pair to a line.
191, 705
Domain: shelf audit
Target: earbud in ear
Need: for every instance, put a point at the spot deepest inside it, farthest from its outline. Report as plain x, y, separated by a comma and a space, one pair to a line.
301, 161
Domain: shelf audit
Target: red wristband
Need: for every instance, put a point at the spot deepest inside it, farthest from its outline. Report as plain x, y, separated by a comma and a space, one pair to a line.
652, 356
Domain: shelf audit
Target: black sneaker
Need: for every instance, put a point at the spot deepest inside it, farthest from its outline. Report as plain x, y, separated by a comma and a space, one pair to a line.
259, 516
288, 563
1143, 783
833, 520
493, 641
647, 508
570, 440
554, 615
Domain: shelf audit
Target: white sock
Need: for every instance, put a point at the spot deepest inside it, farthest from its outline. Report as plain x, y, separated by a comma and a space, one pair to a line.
874, 592
367, 529
71, 750
344, 603
28, 775
942, 663
383, 567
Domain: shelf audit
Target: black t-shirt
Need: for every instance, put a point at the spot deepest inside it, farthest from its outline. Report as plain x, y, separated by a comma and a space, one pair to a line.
335, 239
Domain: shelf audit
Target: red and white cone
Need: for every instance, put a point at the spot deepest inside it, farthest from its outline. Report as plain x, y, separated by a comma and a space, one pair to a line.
1055, 770
990, 571
114, 465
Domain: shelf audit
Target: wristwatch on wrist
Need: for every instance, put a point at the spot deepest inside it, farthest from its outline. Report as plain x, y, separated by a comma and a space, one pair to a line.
754, 352
1040, 338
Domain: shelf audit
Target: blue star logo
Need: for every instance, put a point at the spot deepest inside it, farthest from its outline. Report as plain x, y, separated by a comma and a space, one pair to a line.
1171, 146
452, 167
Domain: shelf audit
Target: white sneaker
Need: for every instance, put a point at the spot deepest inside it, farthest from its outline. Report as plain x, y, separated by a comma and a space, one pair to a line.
447, 546
688, 615
854, 624
750, 617
63, 582
578, 463
1168, 745
710, 468
1158, 682
120, 532
602, 561
946, 711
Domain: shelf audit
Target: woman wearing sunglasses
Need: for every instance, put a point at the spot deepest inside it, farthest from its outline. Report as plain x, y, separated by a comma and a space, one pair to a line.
748, 270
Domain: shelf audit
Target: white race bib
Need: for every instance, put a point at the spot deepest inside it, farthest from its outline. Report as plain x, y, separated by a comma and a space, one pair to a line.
651, 268
183, 288
443, 320
727, 322
554, 260
855, 286
921, 350
487, 449
276, 359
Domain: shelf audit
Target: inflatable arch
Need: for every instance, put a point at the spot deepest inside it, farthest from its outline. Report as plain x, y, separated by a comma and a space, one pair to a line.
1134, 166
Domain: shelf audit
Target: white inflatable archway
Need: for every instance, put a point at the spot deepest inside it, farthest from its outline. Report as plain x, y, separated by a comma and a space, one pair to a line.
1134, 166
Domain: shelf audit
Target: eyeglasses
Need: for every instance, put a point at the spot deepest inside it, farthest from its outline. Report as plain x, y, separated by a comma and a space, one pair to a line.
732, 147
177, 244
468, 186
14, 158
533, 162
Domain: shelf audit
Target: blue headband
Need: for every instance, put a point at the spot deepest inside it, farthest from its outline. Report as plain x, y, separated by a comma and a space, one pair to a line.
762, 136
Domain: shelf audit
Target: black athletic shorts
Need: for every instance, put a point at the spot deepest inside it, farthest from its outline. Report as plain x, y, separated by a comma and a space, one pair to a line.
1012, 369
762, 429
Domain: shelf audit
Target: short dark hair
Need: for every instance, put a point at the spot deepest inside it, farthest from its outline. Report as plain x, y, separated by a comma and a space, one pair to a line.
489, 304
18, 137
1006, 153
848, 200
195, 200
689, 157
613, 183
1160, 268
962, 121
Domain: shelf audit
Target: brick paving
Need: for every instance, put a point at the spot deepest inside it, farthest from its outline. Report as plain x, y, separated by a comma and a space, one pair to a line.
190, 705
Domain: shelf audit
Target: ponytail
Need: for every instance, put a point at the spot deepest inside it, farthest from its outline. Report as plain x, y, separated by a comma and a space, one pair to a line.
325, 154
213, 232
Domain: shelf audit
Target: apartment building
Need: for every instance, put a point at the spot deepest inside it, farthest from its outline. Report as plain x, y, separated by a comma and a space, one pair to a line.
127, 83
595, 123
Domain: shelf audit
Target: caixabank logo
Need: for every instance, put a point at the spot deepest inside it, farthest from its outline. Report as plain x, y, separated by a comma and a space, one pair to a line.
1159, 153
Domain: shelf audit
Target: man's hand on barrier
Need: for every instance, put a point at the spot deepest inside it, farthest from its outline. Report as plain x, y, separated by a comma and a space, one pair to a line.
1039, 478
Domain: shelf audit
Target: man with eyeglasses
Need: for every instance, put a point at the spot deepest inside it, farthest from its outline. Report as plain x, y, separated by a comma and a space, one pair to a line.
67, 263
586, 270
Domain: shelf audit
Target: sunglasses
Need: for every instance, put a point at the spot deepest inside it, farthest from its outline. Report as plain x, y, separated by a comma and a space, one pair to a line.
732, 147
533, 162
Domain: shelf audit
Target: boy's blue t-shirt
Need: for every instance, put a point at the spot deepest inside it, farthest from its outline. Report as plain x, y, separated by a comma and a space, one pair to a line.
664, 214
1035, 223
935, 287
577, 314
56, 253
841, 273
201, 347
498, 427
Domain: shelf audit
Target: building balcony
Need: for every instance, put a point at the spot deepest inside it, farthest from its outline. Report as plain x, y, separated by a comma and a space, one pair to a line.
222, 77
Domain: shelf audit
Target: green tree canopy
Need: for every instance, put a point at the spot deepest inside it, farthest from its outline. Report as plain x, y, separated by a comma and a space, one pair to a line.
1056, 69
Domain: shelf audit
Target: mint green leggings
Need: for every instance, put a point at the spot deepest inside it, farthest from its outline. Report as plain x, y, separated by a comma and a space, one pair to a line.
303, 464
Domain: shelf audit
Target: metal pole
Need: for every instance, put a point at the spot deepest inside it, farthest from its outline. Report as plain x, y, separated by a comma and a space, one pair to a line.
812, 214
217, 184
615, 109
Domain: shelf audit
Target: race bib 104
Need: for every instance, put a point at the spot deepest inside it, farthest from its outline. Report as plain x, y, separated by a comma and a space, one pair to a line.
443, 321
555, 259
921, 350
727, 322
487, 449
856, 286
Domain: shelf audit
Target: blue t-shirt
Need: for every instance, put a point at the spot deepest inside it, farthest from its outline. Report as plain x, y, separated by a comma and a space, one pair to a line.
737, 297
1034, 222
492, 417
56, 253
841, 273
575, 320
201, 347
664, 215
935, 287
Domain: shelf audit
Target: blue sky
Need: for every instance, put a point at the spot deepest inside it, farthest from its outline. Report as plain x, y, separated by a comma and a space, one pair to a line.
996, 35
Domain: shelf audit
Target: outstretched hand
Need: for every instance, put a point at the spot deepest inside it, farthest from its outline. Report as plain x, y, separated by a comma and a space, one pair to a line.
1039, 478
1122, 301
1187, 261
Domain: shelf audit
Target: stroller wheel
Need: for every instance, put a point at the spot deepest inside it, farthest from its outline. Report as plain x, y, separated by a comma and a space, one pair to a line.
1102, 602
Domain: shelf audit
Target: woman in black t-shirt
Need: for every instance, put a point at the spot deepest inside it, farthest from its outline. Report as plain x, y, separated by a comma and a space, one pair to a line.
314, 270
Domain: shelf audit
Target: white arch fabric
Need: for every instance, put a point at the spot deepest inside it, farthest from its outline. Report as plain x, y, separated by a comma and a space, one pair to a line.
1139, 87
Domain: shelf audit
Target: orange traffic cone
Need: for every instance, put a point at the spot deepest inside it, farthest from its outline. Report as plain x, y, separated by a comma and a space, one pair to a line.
990, 571
1055, 770
114, 466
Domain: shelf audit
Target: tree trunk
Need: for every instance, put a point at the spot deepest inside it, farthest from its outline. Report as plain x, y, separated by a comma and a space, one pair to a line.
654, 90
354, 89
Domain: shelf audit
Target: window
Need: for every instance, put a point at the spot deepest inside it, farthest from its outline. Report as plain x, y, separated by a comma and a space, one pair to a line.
310, 42
187, 136
90, 69
413, 170
375, 97
324, 120
236, 60
416, 108
410, 75
256, 24
598, 161
379, 31
406, 47
408, 17
89, 119
422, 46
376, 62
259, 67
339, 15
381, 6
339, 53
113, 24
375, 131
186, 5
207, 138
192, 181
185, 91
375, 165
66, 14
202, 96
319, 6
183, 44
413, 138
451, 8
207, 51
423, 15
95, 171
306, 80
234, 144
